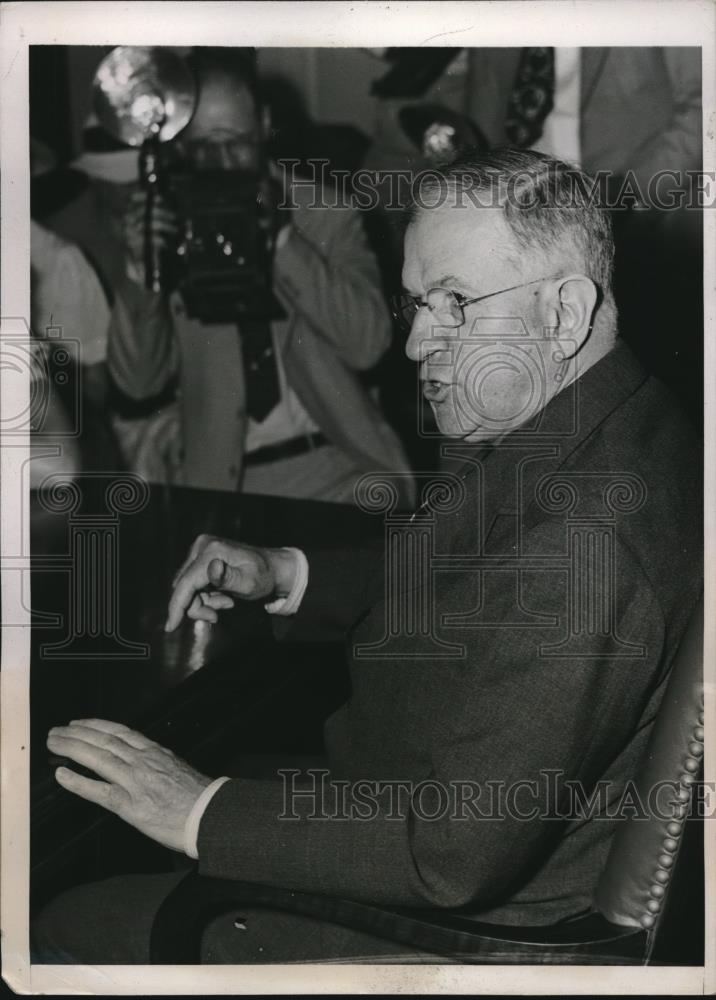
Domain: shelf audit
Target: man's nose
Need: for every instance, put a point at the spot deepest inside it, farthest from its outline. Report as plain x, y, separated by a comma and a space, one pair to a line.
427, 337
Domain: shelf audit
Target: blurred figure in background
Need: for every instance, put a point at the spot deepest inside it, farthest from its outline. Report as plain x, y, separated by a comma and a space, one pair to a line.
53, 446
69, 314
94, 220
280, 410
622, 109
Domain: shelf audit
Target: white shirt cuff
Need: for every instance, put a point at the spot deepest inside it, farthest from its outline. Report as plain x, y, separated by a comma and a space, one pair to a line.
290, 604
191, 827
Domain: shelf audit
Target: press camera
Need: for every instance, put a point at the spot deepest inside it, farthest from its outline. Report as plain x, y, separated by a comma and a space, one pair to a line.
222, 262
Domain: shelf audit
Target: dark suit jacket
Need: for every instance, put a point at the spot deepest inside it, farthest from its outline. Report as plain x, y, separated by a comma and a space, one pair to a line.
640, 106
514, 703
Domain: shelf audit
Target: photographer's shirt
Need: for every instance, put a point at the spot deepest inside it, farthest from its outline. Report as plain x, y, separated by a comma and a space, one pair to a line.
336, 327
288, 419
213, 353
217, 435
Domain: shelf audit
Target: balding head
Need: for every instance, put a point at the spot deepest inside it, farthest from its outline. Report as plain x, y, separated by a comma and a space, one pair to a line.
225, 131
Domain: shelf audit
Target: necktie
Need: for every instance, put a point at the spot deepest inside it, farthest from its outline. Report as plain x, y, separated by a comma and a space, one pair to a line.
532, 97
263, 391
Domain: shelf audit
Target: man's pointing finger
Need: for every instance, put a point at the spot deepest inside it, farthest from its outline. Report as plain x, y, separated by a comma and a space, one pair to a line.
182, 597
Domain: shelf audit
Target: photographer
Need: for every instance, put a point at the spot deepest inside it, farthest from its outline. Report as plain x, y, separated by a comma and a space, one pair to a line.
279, 408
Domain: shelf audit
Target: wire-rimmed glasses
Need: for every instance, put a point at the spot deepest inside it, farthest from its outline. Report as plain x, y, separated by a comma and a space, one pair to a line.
447, 306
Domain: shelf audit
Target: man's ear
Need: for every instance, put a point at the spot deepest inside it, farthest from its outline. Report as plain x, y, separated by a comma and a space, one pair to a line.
571, 303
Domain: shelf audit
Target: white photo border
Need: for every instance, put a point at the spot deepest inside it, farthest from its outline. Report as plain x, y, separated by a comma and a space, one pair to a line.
275, 24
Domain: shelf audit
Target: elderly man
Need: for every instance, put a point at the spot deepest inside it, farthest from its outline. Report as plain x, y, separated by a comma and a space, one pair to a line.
563, 564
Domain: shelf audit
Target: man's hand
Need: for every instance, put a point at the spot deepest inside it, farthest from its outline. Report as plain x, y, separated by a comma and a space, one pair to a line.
165, 228
143, 783
216, 568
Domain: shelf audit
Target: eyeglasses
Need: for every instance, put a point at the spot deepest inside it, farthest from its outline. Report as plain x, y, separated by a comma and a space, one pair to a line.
222, 149
447, 307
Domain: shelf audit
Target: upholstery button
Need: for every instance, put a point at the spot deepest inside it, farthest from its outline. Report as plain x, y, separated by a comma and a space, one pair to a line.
701, 718
688, 779
696, 749
683, 794
665, 861
691, 765
673, 828
648, 920
653, 905
670, 844
699, 733
661, 876
657, 890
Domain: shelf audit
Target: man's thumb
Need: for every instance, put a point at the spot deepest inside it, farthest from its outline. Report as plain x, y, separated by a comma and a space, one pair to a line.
223, 576
217, 573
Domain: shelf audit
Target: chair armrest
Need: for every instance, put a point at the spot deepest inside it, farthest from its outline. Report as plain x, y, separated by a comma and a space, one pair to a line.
196, 900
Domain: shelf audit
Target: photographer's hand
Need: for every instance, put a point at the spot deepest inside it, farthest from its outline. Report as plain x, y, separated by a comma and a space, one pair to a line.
165, 229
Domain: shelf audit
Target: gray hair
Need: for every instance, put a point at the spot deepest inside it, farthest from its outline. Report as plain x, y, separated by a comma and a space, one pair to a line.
545, 203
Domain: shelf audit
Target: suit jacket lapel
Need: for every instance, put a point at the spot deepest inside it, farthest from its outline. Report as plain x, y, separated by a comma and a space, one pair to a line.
492, 74
490, 473
567, 420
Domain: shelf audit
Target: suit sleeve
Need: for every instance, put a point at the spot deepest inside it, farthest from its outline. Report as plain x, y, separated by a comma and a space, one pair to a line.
141, 353
341, 586
505, 713
328, 274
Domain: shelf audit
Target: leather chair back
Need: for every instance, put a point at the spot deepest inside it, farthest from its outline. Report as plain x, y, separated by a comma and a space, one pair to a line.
635, 884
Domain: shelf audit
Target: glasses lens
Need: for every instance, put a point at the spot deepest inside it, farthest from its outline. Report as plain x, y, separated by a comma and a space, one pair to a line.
445, 307
404, 309
221, 152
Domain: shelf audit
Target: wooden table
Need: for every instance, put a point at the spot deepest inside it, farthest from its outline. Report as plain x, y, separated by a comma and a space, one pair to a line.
101, 579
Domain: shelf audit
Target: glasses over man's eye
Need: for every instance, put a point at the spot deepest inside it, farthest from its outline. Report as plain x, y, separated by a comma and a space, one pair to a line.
224, 150
446, 307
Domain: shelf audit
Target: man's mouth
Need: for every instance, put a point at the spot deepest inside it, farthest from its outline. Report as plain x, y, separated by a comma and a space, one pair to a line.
436, 391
